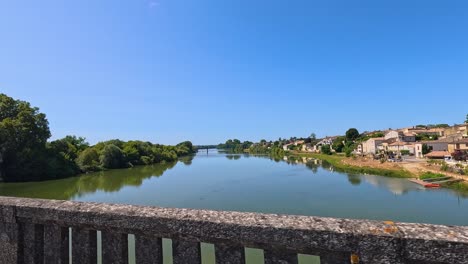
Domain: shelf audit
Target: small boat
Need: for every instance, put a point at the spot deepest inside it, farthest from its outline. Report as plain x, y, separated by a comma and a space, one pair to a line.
432, 185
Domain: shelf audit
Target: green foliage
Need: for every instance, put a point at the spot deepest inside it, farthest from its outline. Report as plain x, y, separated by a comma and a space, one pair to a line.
112, 157
23, 135
404, 152
26, 155
235, 146
431, 175
325, 149
426, 149
88, 160
348, 152
426, 137
314, 137
444, 167
352, 134
338, 144
466, 121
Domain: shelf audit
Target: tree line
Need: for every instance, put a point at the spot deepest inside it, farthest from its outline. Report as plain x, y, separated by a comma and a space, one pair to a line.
27, 155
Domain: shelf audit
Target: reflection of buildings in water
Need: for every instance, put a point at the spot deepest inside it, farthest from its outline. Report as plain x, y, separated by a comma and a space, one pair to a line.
396, 186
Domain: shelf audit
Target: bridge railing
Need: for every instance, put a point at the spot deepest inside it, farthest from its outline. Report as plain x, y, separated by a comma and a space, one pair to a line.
37, 231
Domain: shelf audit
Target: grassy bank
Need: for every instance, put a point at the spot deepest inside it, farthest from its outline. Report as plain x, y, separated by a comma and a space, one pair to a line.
337, 162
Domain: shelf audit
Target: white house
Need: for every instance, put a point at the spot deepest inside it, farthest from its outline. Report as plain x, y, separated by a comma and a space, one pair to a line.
371, 145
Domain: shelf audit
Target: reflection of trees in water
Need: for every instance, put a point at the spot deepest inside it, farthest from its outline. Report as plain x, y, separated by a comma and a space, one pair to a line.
313, 166
354, 179
66, 189
233, 157
187, 160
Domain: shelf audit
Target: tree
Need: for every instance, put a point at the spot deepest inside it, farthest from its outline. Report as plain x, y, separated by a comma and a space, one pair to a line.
466, 121
338, 144
325, 149
23, 135
352, 134
313, 136
88, 160
426, 149
112, 157
70, 146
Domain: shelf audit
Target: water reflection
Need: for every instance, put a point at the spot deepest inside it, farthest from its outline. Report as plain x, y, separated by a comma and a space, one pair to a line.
69, 188
233, 156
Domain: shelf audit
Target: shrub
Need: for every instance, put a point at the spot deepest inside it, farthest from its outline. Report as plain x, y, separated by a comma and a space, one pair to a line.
325, 149
405, 152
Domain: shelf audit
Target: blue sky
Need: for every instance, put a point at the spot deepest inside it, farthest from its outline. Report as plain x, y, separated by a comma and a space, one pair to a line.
208, 70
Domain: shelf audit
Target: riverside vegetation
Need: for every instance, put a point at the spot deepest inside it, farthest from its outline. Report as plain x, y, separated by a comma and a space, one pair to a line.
27, 155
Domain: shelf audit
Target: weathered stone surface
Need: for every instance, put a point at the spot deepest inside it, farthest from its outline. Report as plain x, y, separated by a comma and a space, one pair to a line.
148, 250
186, 252
335, 258
84, 246
114, 247
56, 244
373, 241
229, 254
8, 243
280, 257
31, 243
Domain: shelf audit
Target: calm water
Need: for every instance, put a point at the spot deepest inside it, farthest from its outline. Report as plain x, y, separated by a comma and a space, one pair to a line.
256, 184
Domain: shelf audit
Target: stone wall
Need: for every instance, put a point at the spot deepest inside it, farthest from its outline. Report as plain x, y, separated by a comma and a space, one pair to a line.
37, 231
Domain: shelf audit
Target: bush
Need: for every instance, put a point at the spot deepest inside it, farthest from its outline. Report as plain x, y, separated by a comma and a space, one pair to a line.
405, 152
325, 149
445, 167
88, 160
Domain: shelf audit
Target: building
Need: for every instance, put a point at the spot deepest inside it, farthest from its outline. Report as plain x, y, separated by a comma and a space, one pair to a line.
391, 134
461, 130
399, 146
371, 145
459, 145
434, 145
400, 136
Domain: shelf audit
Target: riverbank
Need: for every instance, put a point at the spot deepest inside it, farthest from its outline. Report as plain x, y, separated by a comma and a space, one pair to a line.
346, 165
395, 170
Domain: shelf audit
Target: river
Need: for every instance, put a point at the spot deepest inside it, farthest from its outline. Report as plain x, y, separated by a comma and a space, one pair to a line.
241, 182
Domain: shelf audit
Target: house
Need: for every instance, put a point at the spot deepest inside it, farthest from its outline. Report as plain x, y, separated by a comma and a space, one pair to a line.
400, 136
371, 145
308, 148
461, 130
461, 144
399, 146
391, 134
434, 145
422, 130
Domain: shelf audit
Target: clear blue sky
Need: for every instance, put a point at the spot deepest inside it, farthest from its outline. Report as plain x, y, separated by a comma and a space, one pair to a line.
208, 70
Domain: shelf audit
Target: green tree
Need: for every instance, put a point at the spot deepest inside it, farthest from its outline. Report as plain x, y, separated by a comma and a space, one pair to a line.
23, 135
426, 149
313, 136
112, 157
352, 134
466, 121
70, 146
325, 149
88, 160
338, 144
